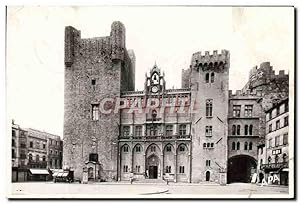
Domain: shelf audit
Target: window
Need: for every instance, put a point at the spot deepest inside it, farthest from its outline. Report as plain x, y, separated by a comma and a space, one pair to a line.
250, 146
125, 168
236, 111
126, 130
30, 157
13, 153
152, 148
93, 81
285, 139
56, 152
209, 108
168, 169
37, 158
277, 141
207, 145
44, 158
233, 146
13, 143
250, 129
233, 130
238, 146
13, 133
181, 148
286, 121
238, 130
168, 148
23, 145
181, 169
137, 168
270, 143
208, 131
138, 148
211, 145
246, 146
31, 144
277, 124
44, 146
138, 130
248, 110
212, 77
246, 129
169, 130
277, 110
182, 130
270, 128
126, 148
23, 156
207, 78
51, 151
204, 145
207, 162
286, 107
95, 112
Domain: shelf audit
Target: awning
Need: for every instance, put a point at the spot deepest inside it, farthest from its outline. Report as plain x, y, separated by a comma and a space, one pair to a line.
285, 169
65, 174
39, 171
55, 174
60, 174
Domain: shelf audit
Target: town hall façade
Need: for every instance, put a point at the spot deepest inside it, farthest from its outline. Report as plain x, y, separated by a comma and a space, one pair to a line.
112, 132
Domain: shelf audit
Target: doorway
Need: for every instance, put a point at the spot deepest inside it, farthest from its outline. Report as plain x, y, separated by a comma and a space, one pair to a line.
207, 176
152, 172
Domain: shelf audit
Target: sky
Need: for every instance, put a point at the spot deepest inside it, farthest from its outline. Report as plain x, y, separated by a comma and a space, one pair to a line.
165, 35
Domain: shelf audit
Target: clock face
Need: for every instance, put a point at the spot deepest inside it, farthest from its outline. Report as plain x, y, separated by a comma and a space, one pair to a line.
154, 89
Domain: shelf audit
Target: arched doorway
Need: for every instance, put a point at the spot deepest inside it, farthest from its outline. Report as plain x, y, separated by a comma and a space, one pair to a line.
153, 166
207, 176
241, 168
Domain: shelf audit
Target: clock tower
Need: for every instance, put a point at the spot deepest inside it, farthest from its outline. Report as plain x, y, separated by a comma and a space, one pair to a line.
155, 83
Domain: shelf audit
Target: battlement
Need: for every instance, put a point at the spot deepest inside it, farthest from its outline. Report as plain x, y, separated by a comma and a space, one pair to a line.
208, 59
266, 69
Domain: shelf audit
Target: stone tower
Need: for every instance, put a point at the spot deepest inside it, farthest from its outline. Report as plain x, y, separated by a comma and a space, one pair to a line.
95, 69
209, 78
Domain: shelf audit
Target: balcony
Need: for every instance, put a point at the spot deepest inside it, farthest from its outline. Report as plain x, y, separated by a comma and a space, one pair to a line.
274, 166
155, 137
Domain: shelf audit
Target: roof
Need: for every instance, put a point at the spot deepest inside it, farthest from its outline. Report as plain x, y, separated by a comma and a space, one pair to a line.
277, 104
39, 171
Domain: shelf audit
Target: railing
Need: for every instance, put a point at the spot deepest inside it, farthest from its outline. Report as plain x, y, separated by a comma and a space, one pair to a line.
156, 137
274, 165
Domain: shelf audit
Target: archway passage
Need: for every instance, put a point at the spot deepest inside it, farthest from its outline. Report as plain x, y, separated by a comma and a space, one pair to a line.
152, 166
240, 169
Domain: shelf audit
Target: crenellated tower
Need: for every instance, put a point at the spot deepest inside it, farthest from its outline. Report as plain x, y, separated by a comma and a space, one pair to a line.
209, 79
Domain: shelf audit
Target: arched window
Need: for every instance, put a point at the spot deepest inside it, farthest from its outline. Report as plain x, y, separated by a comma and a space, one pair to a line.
169, 148
212, 77
250, 129
246, 129
44, 158
126, 148
204, 145
233, 145
233, 130
181, 148
208, 145
153, 148
154, 114
30, 157
269, 159
238, 130
246, 146
138, 148
238, 146
250, 146
207, 78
